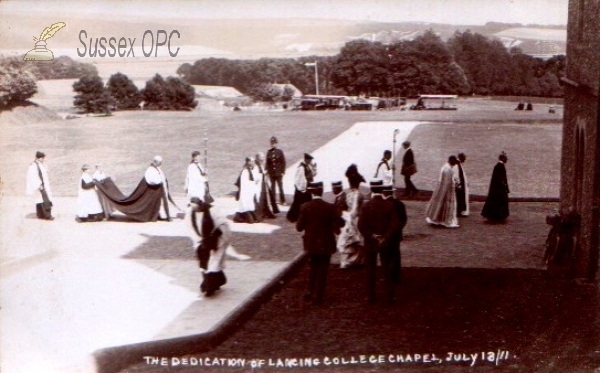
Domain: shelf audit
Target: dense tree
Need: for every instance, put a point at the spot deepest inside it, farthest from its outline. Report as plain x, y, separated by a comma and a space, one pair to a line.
169, 94
468, 63
16, 83
124, 92
92, 96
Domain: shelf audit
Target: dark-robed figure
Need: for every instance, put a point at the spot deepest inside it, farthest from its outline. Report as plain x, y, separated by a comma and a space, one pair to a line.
320, 221
495, 208
305, 174
266, 205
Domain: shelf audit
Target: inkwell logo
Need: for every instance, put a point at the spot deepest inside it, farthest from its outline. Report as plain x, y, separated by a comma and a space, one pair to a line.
40, 52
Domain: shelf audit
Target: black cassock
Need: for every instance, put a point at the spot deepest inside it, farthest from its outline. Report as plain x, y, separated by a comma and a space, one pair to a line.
496, 203
143, 204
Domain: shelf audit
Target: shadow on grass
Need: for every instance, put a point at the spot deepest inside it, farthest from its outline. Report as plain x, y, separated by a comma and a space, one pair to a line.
544, 322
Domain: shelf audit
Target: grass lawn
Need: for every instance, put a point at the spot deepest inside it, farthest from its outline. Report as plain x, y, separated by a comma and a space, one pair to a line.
126, 142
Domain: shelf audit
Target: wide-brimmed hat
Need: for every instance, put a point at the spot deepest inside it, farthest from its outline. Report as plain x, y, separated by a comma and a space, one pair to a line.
376, 186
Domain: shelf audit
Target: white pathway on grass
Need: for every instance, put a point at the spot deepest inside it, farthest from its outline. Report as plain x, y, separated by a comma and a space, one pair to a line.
362, 144
66, 290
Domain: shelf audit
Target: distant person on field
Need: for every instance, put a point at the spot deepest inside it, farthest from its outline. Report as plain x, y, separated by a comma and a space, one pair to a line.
520, 106
275, 168
441, 209
89, 208
409, 168
462, 188
38, 185
384, 169
529, 106
320, 222
495, 208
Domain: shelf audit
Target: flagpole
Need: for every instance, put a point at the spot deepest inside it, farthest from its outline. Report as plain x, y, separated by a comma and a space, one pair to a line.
316, 75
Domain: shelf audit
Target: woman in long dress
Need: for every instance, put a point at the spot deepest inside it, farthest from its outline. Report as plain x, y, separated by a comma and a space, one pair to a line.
350, 241
441, 209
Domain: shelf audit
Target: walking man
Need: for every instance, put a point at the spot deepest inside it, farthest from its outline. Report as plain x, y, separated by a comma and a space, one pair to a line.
275, 168
409, 168
38, 184
320, 222
378, 223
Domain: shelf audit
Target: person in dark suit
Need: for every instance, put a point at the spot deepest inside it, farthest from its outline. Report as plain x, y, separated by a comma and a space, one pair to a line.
275, 168
379, 224
320, 222
395, 252
339, 197
409, 168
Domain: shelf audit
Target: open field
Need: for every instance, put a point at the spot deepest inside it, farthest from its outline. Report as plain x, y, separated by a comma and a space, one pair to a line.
126, 142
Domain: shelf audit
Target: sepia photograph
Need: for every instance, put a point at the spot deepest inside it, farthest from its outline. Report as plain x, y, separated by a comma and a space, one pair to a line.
299, 186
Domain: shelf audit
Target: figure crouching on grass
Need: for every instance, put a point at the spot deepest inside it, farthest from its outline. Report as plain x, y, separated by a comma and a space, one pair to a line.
210, 234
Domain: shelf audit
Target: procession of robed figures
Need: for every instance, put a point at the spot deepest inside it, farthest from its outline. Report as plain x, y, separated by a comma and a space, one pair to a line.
361, 227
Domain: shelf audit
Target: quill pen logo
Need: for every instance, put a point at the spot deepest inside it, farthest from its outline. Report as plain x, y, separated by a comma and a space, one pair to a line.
40, 52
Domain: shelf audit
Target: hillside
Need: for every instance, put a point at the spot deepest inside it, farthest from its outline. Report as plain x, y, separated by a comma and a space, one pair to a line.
252, 38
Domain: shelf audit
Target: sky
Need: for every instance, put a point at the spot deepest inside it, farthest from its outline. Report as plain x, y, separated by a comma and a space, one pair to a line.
464, 12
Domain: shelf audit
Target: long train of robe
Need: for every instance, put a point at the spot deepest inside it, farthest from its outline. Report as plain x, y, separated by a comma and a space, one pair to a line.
143, 204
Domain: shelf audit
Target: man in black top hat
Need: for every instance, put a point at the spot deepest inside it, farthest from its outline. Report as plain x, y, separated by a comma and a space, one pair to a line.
320, 222
395, 252
339, 202
378, 223
275, 167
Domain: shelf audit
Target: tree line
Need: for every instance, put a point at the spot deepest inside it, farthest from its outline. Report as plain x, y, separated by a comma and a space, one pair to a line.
466, 64
120, 93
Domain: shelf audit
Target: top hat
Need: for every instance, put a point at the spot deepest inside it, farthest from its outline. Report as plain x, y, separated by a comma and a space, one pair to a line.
336, 184
376, 186
315, 185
